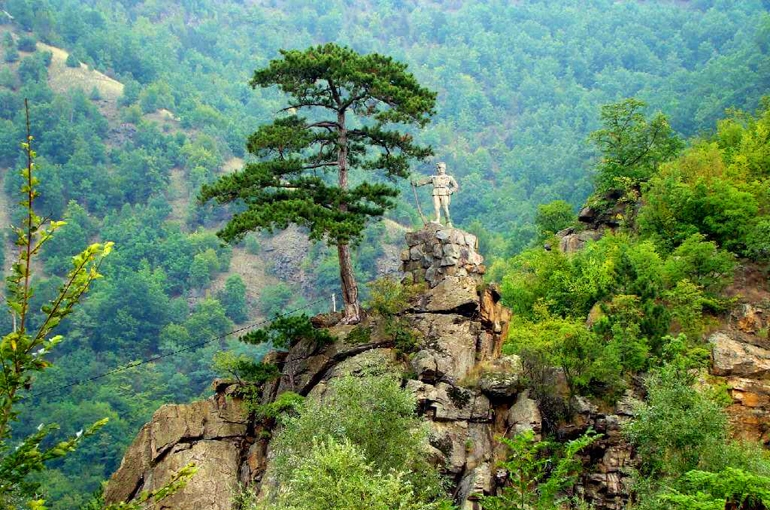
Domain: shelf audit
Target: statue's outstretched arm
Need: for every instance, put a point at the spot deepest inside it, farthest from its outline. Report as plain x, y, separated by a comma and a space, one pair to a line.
422, 182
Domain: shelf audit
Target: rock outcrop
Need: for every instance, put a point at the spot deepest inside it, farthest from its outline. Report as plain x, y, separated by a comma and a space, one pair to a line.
212, 433
465, 389
741, 359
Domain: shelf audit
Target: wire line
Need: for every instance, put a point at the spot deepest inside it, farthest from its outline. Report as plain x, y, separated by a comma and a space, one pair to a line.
134, 364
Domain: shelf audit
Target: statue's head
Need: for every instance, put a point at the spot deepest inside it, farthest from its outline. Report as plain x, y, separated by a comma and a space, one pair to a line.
441, 168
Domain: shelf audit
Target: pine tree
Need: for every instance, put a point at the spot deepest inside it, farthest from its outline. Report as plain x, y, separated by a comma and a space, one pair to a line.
352, 101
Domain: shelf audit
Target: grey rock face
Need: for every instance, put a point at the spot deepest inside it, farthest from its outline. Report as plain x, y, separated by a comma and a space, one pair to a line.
735, 358
211, 433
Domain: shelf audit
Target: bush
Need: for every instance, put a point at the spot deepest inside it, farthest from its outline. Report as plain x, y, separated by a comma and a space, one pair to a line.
688, 459
553, 217
678, 429
702, 263
46, 57
233, 299
11, 55
372, 414
337, 474
274, 298
27, 43
567, 344
251, 243
758, 241
389, 297
538, 471
72, 61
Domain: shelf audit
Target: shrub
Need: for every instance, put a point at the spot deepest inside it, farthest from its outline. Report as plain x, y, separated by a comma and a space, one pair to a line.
27, 43
251, 242
274, 299
233, 299
702, 263
374, 415
388, 296
553, 217
678, 429
758, 241
337, 474
568, 345
538, 472
11, 55
72, 61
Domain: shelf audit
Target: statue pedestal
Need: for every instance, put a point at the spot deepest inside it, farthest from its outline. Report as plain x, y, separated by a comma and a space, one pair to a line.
437, 252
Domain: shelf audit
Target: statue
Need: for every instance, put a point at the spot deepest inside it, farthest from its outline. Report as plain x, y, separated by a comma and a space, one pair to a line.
443, 187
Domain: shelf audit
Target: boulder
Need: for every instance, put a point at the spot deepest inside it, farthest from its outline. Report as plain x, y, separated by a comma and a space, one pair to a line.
444, 402
448, 348
524, 415
476, 484
749, 319
451, 294
733, 357
750, 410
572, 243
501, 378
209, 433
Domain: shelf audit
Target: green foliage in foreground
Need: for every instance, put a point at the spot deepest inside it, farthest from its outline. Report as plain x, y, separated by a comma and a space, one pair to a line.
371, 422
538, 472
337, 475
24, 348
715, 491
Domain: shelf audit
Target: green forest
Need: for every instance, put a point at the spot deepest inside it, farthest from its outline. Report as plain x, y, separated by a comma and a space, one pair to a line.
135, 105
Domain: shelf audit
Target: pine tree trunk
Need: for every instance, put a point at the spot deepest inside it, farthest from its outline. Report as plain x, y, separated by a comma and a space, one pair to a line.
347, 277
349, 285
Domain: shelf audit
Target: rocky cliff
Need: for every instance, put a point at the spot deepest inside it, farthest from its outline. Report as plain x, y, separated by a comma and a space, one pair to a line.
741, 361
465, 389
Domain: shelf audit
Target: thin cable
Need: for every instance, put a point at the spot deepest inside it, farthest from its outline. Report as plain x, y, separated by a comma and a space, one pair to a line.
134, 364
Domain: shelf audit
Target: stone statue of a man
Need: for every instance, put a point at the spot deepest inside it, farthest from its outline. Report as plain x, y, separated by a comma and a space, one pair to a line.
443, 187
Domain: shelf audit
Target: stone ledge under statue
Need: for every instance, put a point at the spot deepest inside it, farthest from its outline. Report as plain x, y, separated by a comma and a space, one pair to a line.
437, 252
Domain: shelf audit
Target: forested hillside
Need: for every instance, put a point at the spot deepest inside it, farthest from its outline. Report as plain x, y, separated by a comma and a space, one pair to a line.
137, 103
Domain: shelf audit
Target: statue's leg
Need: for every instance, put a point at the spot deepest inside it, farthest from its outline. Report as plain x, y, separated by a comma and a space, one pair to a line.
437, 207
445, 204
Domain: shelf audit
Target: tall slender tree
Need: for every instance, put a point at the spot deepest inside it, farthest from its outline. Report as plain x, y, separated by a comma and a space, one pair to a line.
358, 108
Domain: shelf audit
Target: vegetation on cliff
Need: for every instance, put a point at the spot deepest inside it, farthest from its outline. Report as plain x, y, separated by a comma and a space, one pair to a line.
638, 301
